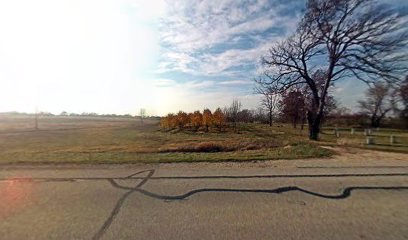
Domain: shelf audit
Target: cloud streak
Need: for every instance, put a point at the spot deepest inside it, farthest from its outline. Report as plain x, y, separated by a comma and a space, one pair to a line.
210, 38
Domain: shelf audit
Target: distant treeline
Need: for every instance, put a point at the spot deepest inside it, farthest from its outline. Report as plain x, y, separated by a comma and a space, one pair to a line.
84, 114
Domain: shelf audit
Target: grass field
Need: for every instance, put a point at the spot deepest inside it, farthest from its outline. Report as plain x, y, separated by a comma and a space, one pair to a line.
126, 140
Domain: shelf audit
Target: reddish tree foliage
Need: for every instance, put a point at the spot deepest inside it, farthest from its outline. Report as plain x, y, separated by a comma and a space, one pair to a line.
294, 107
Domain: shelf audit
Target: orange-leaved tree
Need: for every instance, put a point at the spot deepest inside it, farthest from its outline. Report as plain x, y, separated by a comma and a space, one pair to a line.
218, 118
182, 119
169, 121
207, 118
190, 117
196, 120
164, 122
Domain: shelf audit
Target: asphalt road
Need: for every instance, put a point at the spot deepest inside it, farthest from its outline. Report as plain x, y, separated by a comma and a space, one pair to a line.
300, 200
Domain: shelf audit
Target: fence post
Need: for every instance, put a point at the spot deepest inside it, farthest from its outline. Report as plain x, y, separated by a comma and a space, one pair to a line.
367, 132
352, 131
337, 133
392, 139
370, 141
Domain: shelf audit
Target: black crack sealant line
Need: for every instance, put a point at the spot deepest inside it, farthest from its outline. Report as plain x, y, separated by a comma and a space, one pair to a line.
120, 202
345, 193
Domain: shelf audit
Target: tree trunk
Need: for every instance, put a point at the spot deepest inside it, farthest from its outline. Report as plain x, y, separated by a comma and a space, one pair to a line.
314, 121
405, 117
270, 118
375, 123
315, 114
376, 120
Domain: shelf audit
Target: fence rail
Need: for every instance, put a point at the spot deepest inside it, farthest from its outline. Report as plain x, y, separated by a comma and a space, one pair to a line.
371, 136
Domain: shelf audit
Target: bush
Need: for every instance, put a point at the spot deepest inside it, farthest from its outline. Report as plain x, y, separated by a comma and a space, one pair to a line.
222, 146
200, 147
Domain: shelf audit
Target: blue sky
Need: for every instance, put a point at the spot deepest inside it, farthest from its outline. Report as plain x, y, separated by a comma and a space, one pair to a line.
117, 56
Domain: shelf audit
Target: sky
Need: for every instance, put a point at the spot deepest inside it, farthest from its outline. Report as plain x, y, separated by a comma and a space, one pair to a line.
117, 56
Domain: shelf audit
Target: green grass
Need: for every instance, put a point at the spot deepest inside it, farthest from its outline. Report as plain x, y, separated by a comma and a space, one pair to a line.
126, 140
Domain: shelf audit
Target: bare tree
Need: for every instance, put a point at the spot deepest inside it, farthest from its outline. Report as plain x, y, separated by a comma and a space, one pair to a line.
142, 114
377, 104
246, 116
233, 111
341, 38
403, 99
330, 102
260, 115
270, 97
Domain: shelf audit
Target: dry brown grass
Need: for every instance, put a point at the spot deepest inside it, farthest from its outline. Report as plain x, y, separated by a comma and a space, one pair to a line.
225, 146
88, 140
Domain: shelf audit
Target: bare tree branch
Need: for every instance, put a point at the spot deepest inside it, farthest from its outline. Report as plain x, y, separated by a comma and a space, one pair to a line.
342, 39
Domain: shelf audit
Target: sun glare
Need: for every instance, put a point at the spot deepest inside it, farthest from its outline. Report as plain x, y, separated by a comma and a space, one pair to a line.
101, 52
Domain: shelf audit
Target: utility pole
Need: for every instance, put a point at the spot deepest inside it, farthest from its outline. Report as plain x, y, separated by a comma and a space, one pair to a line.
36, 119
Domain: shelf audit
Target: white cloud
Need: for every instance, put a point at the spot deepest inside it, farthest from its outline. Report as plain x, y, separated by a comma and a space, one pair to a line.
191, 28
189, 85
218, 63
236, 82
193, 25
